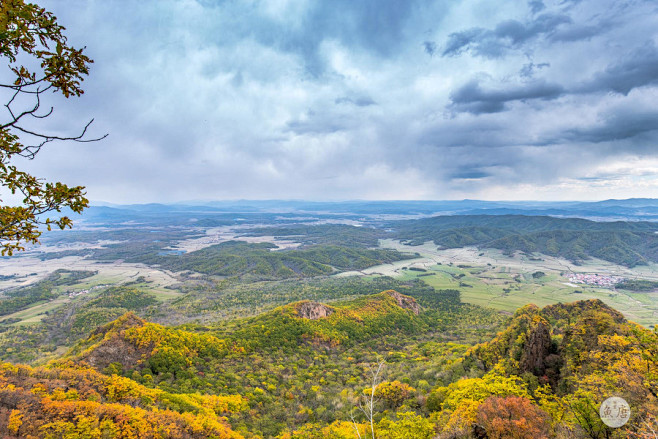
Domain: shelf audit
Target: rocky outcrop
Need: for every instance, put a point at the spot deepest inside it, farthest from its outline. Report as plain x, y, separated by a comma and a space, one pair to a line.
115, 350
536, 349
404, 302
313, 310
113, 346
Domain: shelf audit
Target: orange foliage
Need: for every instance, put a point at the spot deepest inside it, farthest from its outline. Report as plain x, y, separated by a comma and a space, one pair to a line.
513, 417
82, 403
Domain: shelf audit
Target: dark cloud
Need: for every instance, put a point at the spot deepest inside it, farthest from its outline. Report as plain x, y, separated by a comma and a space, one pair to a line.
373, 26
508, 34
536, 6
528, 70
471, 174
360, 101
429, 47
637, 68
472, 98
622, 124
576, 33
459, 42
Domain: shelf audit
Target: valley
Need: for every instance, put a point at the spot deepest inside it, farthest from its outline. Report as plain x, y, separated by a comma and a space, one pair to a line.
282, 316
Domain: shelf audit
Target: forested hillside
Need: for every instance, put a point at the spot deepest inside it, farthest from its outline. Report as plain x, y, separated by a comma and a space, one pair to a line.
566, 359
625, 243
324, 234
300, 370
238, 258
74, 402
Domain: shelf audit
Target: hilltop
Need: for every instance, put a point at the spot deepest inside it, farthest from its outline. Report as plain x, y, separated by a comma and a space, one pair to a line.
132, 342
566, 359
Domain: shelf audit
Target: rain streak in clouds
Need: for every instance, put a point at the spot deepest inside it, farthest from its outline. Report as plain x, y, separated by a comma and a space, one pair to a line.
372, 99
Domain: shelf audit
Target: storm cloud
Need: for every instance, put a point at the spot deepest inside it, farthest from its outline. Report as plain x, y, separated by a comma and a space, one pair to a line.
419, 99
506, 35
637, 68
472, 98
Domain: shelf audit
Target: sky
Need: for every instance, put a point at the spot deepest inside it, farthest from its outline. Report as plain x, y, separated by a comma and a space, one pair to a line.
368, 99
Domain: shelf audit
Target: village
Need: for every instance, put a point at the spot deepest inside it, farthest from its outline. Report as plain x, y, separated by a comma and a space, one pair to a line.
73, 294
595, 279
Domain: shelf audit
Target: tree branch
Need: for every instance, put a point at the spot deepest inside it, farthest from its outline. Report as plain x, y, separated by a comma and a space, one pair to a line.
32, 150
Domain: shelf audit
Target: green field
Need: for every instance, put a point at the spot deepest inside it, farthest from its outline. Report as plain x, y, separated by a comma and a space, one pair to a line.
38, 311
489, 278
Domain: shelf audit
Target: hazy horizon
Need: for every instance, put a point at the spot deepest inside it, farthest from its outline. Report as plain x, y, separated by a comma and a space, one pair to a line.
356, 200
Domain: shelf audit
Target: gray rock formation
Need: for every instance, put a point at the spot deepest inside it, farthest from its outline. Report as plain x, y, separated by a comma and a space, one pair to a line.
313, 310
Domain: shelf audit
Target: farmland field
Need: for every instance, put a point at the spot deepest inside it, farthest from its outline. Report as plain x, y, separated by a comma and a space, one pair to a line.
490, 278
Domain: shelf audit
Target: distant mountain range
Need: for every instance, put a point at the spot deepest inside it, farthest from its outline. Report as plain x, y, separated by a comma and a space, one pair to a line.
633, 209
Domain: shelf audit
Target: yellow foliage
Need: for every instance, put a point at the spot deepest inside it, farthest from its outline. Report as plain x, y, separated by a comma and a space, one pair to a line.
336, 430
407, 426
462, 398
15, 421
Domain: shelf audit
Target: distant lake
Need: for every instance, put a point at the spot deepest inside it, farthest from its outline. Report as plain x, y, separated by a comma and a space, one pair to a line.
171, 252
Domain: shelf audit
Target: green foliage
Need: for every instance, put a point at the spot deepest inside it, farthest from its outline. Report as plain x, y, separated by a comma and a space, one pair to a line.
301, 376
637, 285
213, 300
69, 323
300, 367
86, 320
354, 320
407, 425
572, 357
123, 297
20, 299
394, 393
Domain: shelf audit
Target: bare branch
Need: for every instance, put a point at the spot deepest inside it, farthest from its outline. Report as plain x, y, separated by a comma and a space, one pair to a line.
24, 113
31, 150
12, 99
355, 425
77, 138
44, 115
366, 405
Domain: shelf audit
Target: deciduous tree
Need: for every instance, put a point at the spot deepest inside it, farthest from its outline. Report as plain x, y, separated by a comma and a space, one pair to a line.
513, 417
39, 61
